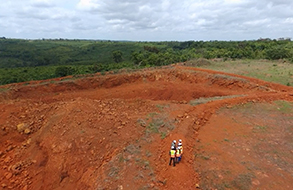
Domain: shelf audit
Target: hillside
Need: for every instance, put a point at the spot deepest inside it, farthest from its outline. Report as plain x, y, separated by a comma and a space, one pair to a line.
26, 60
114, 131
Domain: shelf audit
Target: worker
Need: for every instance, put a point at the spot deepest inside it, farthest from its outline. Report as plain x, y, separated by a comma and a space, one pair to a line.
180, 142
178, 154
172, 154
180, 146
173, 144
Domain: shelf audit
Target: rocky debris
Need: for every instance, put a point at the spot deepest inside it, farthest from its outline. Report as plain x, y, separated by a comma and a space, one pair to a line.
27, 131
23, 128
9, 148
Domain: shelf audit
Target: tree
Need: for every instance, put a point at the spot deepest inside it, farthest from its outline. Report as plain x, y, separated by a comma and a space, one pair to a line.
63, 71
117, 56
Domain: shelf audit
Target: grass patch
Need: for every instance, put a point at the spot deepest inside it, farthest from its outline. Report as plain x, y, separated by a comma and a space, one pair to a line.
157, 123
227, 140
202, 156
210, 99
271, 71
259, 128
4, 89
113, 172
243, 181
162, 107
284, 106
132, 149
148, 153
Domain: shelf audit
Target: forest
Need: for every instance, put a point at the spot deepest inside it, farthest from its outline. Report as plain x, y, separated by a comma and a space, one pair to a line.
26, 60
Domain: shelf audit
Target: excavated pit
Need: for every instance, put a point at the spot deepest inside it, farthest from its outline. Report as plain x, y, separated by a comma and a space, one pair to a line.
98, 132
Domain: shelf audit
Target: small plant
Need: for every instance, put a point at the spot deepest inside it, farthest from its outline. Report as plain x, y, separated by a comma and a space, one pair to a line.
113, 172
3, 89
260, 128
243, 181
284, 106
163, 135
148, 153
205, 157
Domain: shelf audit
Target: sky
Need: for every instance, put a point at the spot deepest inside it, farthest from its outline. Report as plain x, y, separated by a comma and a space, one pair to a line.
147, 20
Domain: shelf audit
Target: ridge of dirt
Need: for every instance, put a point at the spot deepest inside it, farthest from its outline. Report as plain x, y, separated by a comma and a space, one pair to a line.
114, 131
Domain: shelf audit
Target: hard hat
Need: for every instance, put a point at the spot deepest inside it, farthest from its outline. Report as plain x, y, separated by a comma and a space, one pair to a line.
174, 141
180, 140
172, 147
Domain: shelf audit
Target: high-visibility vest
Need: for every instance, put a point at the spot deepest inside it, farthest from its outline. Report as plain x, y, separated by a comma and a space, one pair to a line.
172, 153
181, 149
178, 153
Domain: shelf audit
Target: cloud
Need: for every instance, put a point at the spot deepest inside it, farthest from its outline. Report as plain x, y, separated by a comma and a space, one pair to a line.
42, 3
147, 20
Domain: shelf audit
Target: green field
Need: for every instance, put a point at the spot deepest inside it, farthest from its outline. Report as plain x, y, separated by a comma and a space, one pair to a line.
271, 71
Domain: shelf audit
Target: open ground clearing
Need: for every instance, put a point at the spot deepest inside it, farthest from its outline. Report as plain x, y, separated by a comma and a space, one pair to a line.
114, 132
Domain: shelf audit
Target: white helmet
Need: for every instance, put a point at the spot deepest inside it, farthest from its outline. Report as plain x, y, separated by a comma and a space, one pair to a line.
174, 141
180, 140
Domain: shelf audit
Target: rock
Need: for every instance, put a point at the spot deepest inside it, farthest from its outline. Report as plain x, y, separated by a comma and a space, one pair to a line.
255, 182
8, 175
197, 186
3, 185
7, 159
27, 131
9, 148
21, 127
28, 141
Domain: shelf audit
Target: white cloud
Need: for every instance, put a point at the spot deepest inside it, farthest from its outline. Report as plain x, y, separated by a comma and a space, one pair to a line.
147, 20
41, 3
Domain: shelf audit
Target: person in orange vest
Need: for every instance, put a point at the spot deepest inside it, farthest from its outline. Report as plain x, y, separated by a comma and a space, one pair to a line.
178, 154
179, 150
172, 154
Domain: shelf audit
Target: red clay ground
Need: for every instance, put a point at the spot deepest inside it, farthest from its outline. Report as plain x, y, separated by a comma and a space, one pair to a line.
115, 131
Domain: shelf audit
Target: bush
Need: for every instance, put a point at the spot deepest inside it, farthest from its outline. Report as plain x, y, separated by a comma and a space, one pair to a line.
63, 71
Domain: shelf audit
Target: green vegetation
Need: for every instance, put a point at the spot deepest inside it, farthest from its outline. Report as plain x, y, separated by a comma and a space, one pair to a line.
157, 123
284, 107
278, 71
206, 100
25, 60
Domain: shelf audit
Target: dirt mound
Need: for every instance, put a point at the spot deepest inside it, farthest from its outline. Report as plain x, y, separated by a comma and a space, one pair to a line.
114, 131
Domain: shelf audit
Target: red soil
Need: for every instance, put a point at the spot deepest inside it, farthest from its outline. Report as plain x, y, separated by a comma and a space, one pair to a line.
93, 133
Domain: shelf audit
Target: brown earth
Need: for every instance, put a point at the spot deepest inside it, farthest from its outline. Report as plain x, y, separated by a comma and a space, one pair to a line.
114, 131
